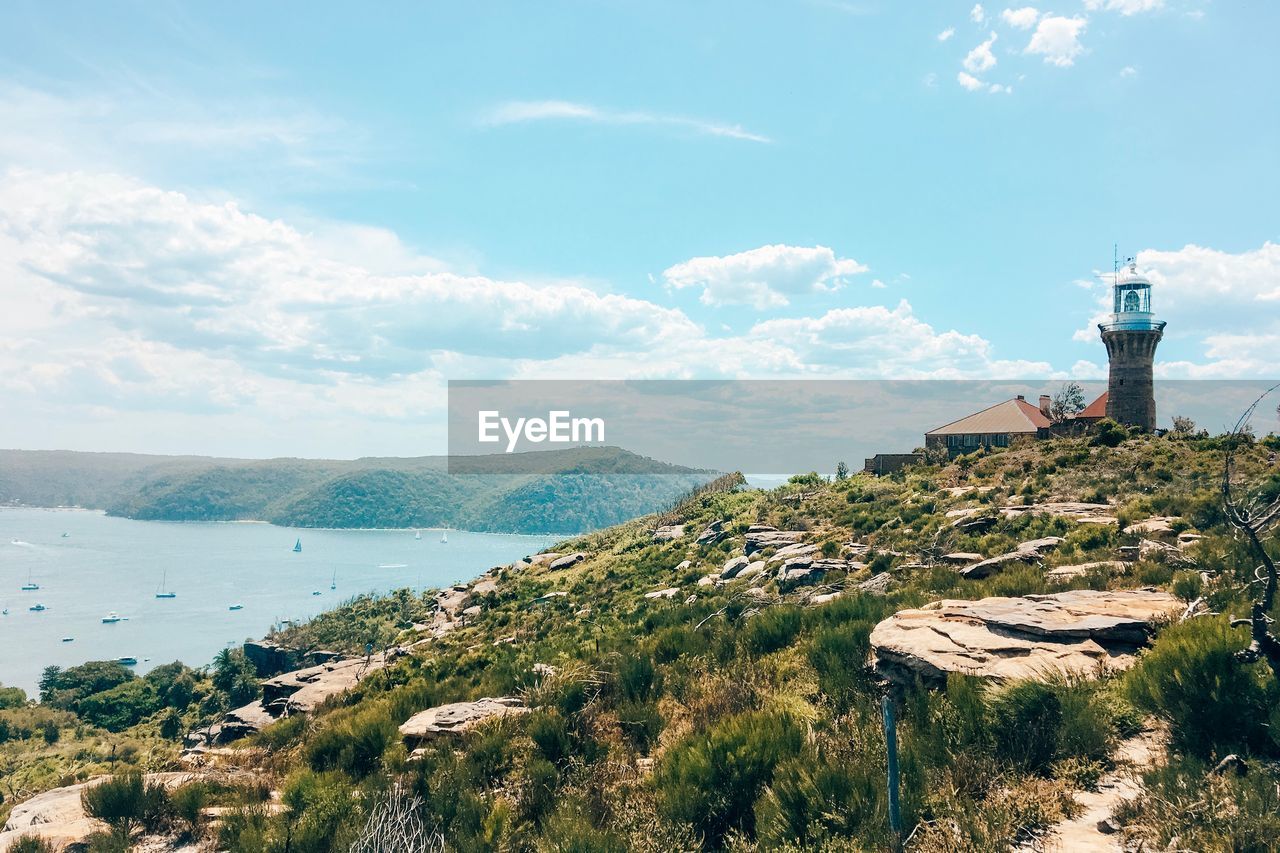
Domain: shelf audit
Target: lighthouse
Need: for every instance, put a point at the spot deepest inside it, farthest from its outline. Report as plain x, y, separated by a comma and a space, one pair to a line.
1131, 336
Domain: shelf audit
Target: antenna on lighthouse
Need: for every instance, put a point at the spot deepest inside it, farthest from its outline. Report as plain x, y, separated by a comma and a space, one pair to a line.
1115, 263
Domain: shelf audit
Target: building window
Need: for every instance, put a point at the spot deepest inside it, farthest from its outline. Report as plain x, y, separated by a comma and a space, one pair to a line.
1131, 301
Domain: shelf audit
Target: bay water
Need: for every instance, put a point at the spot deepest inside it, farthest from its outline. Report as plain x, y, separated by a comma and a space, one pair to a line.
104, 565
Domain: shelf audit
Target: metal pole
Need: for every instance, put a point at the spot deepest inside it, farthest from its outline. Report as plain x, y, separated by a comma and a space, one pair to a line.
891, 749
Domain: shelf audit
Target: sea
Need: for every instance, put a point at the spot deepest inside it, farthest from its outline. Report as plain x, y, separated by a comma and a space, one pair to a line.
88, 565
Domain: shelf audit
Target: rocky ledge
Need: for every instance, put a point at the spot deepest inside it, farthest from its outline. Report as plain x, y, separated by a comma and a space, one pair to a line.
1080, 631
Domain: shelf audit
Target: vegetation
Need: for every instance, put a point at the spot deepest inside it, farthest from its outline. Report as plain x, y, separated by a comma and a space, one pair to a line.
717, 720
560, 492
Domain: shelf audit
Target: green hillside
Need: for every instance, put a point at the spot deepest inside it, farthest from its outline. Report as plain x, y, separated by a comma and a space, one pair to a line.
745, 714
558, 492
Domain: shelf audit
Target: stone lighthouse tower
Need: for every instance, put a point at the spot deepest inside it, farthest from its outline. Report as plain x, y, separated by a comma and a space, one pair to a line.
1131, 336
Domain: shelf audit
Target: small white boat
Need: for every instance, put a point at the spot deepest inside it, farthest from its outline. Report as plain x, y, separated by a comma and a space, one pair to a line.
161, 592
37, 607
297, 546
30, 584
66, 535
127, 661
315, 592
68, 639
417, 534
236, 607
444, 538
111, 618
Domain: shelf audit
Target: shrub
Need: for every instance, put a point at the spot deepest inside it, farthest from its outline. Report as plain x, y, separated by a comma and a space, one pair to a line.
1187, 585
12, 697
1213, 703
812, 798
712, 780
1108, 433
355, 743
771, 629
31, 844
839, 654
120, 801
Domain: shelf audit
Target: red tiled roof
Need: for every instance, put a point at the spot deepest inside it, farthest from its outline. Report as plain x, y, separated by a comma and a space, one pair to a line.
1096, 409
1012, 416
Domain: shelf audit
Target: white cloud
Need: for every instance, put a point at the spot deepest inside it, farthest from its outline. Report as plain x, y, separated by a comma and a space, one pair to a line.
763, 277
946, 34
1128, 71
1023, 18
981, 58
968, 81
977, 14
519, 112
1057, 39
1124, 7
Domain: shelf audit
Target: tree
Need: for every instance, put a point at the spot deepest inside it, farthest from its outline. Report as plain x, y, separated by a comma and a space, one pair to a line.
235, 675
1256, 515
1183, 425
842, 471
1067, 403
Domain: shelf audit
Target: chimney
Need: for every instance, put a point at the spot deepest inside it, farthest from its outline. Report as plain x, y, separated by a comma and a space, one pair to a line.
1020, 397
1044, 405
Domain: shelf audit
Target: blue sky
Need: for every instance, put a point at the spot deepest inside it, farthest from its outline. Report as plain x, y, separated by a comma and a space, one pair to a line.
262, 229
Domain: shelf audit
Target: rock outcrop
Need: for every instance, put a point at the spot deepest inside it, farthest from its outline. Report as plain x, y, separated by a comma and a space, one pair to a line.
761, 536
1081, 513
456, 718
671, 592
712, 533
668, 532
567, 561
1008, 638
1026, 552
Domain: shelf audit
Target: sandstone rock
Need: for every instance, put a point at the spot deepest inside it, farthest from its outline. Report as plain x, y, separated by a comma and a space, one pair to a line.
879, 584
1157, 525
1028, 637
961, 558
472, 612
1026, 552
1081, 513
751, 571
691, 599
548, 598
668, 533
671, 592
825, 597
484, 586
542, 559
457, 718
299, 692
975, 524
761, 536
684, 565
58, 816
708, 580
1187, 538
1081, 569
757, 592
733, 566
797, 576
797, 550
567, 561
712, 533
963, 512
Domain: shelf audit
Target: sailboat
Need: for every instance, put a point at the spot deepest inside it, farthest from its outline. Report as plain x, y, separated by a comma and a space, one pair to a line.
297, 546
333, 584
30, 584
444, 538
161, 592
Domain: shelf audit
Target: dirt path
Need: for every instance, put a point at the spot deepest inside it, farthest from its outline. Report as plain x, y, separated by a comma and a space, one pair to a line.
1081, 834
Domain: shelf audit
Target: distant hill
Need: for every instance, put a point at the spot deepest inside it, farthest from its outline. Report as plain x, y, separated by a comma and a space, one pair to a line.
563, 491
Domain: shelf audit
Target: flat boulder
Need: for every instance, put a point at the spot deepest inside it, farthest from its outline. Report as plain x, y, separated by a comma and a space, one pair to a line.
1077, 511
1026, 552
567, 561
457, 718
733, 566
1082, 569
1157, 525
961, 558
1079, 631
761, 536
671, 592
668, 532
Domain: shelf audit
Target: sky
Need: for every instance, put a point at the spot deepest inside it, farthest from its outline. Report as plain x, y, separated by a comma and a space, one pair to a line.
256, 230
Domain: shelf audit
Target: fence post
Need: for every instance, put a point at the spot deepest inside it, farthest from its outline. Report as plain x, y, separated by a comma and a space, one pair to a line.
891, 750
